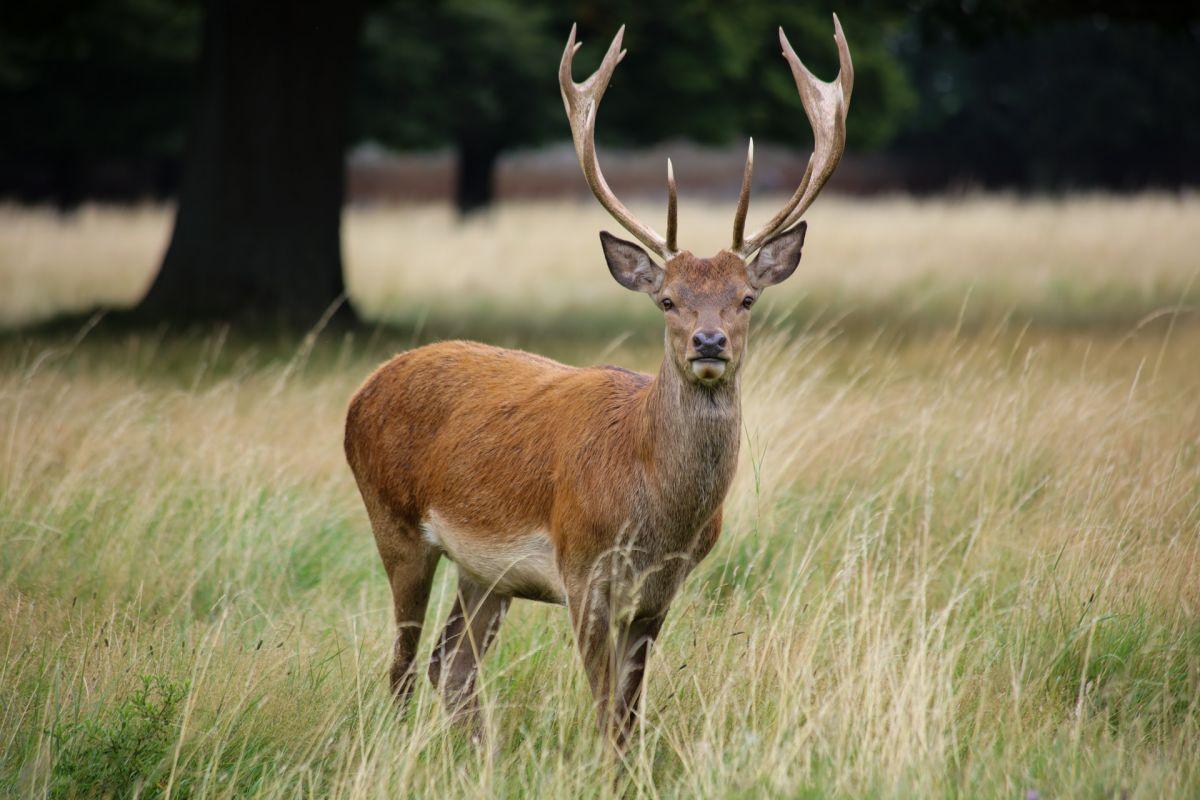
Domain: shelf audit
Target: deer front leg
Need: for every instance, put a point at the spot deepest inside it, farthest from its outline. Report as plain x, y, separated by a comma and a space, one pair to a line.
614, 648
633, 644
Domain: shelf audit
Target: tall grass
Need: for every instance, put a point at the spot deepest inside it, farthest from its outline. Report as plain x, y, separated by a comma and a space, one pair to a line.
959, 560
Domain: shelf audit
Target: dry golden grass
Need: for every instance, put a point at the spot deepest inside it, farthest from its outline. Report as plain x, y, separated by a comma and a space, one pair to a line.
52, 263
958, 561
1076, 260
1019, 254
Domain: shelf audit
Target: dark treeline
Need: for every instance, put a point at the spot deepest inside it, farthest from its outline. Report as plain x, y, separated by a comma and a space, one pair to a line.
1053, 94
243, 109
97, 96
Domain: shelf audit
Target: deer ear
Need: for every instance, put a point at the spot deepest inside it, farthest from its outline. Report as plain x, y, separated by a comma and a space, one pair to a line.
630, 264
778, 258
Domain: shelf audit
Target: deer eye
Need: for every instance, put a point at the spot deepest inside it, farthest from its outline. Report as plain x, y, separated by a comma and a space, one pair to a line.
667, 304
747, 301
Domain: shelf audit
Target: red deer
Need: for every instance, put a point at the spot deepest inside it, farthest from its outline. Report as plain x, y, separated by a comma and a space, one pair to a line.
599, 489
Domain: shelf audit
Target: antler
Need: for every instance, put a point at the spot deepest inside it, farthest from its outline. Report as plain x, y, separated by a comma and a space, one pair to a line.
581, 101
826, 105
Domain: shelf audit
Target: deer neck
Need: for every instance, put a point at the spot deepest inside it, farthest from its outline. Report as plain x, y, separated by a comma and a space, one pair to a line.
690, 439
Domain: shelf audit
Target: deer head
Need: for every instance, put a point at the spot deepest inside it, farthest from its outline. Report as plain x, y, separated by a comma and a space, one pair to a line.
707, 301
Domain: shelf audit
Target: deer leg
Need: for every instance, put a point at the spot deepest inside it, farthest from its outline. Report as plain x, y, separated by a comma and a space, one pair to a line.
633, 643
470, 629
593, 635
410, 564
411, 582
614, 647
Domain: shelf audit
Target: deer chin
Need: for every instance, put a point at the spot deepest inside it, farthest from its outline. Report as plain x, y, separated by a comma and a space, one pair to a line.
708, 370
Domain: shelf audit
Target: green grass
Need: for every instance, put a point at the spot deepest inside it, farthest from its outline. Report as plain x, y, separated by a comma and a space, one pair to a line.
954, 565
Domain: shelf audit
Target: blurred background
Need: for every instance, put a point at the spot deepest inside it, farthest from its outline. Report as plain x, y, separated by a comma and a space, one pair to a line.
242, 130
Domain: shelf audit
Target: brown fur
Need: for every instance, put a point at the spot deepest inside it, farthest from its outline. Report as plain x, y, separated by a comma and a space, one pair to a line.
615, 476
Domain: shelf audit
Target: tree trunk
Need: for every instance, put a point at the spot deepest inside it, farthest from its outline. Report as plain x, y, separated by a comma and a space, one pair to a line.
475, 182
258, 229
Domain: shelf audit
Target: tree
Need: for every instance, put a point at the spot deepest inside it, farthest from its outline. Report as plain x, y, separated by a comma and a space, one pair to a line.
257, 232
1051, 95
94, 97
482, 76
713, 71
475, 74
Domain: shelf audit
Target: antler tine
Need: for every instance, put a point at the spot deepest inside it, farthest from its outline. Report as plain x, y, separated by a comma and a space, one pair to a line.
672, 208
582, 101
743, 206
576, 96
825, 105
833, 101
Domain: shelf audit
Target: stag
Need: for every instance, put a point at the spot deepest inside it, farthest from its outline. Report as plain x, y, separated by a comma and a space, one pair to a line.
599, 489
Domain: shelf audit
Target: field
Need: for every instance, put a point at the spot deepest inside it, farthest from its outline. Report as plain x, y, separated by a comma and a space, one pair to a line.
961, 557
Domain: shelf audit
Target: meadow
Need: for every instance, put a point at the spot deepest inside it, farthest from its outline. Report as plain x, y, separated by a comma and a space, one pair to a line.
961, 557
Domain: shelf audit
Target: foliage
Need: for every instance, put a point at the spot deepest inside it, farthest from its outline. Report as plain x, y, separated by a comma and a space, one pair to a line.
1097, 101
710, 71
451, 71
1043, 95
117, 752
83, 83
439, 72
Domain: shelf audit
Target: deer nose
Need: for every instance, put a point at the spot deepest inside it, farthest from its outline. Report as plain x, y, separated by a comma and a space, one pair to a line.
709, 344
